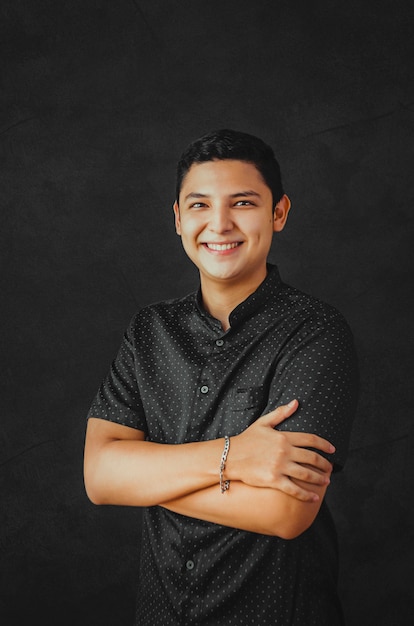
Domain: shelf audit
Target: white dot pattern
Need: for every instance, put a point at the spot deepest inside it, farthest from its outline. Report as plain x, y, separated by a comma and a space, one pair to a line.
180, 378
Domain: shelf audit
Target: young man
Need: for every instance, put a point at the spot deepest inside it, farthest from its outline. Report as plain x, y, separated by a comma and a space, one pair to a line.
225, 412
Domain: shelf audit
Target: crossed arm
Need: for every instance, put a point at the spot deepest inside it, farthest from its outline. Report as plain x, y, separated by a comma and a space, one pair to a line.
277, 483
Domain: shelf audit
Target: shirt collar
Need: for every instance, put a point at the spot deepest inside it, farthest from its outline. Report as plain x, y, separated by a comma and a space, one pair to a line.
249, 306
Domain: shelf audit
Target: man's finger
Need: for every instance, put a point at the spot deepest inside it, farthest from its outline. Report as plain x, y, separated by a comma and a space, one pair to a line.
280, 414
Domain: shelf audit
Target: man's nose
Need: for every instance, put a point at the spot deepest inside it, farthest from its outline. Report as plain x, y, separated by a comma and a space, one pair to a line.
220, 219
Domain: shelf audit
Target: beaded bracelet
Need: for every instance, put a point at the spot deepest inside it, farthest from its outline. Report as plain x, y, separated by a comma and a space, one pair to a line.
224, 484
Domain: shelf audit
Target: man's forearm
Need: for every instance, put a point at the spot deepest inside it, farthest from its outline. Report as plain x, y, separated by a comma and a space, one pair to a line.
140, 473
255, 509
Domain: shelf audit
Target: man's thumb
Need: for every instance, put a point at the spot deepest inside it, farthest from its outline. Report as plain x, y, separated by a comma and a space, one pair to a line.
281, 413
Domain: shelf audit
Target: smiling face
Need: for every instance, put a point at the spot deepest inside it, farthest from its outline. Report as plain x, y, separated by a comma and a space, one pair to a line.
226, 221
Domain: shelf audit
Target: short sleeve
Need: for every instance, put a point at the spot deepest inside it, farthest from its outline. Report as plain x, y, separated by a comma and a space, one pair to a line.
118, 398
319, 369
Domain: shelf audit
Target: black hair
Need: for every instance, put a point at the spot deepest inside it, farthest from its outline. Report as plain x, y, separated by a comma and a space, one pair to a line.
232, 144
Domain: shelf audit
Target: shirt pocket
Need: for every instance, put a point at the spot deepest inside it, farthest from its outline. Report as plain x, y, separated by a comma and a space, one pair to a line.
245, 398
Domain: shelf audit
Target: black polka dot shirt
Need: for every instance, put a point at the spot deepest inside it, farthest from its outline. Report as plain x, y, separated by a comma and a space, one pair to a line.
179, 378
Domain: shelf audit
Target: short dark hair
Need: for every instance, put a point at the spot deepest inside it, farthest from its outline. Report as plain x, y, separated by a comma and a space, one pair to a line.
232, 144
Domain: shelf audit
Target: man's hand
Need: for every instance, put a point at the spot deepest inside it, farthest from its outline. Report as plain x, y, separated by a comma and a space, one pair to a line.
264, 457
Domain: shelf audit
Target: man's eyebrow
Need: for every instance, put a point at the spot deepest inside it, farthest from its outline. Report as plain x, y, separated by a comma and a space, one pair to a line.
244, 194
238, 194
194, 194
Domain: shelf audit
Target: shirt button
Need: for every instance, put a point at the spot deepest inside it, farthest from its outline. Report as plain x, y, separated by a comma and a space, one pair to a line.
190, 565
204, 389
219, 342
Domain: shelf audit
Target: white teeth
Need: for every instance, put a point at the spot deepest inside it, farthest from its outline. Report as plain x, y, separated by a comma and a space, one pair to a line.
222, 246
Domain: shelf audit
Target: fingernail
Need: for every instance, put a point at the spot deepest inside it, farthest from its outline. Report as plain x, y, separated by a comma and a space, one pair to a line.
332, 448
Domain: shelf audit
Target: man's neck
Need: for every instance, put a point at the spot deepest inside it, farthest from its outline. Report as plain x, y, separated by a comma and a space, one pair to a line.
220, 298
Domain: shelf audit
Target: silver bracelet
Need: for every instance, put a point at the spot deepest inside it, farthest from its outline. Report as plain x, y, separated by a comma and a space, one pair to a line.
224, 484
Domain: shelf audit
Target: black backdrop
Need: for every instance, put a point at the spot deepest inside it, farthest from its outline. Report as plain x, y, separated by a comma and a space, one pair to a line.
97, 101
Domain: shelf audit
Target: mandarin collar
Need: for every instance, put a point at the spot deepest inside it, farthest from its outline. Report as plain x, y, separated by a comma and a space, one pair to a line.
245, 309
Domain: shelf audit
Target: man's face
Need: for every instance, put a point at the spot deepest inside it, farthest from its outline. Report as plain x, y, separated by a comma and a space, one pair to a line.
226, 221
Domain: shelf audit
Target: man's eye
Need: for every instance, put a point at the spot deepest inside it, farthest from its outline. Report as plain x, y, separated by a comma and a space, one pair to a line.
244, 203
197, 205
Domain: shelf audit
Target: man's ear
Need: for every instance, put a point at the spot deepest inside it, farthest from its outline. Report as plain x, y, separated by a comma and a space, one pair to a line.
177, 218
281, 213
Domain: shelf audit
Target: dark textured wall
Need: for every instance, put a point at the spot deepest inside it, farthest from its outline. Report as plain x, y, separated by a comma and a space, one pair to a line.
97, 101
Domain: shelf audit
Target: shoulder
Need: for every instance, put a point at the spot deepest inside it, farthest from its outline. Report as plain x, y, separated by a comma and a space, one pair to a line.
303, 302
311, 312
287, 300
161, 314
